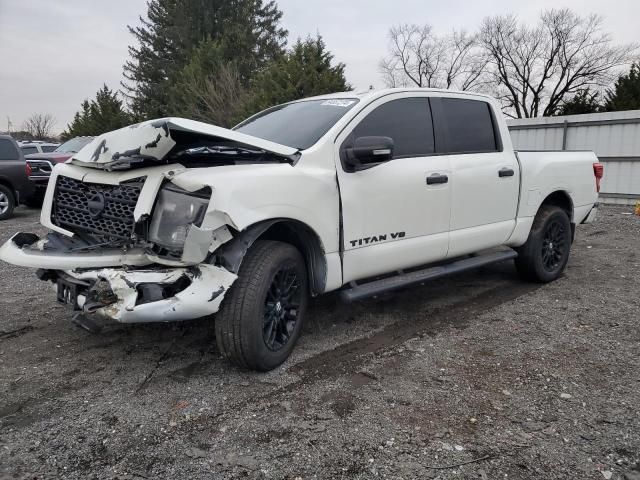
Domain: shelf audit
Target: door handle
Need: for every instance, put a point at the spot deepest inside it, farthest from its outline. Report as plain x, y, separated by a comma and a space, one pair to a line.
436, 178
506, 172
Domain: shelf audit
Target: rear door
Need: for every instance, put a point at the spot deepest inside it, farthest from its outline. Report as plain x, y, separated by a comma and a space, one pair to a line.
485, 176
392, 218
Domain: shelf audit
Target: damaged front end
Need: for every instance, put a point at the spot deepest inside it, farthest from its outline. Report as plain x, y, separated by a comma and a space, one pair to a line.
155, 269
130, 239
143, 295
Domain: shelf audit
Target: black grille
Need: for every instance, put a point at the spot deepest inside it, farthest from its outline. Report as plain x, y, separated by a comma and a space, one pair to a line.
104, 212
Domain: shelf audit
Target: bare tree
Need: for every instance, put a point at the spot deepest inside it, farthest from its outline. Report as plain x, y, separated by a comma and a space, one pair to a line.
218, 99
533, 69
39, 125
419, 57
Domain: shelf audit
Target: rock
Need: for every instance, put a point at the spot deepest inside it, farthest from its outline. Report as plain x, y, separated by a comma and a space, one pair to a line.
235, 460
194, 452
250, 463
459, 448
566, 396
607, 474
533, 426
632, 476
506, 392
286, 405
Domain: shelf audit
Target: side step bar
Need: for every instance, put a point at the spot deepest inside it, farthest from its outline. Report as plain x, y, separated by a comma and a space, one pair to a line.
377, 287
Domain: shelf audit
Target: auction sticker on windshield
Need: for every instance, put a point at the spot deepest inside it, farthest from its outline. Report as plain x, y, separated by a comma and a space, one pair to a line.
338, 103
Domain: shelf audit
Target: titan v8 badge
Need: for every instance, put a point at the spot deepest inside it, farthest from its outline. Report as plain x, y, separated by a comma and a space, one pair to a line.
376, 239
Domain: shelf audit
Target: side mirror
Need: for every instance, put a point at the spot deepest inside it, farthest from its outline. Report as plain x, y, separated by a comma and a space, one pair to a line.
367, 150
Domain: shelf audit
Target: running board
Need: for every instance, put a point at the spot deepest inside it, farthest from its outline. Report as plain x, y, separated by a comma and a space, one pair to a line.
377, 287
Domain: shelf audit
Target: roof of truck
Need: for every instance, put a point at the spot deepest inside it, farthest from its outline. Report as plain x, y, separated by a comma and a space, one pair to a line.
375, 93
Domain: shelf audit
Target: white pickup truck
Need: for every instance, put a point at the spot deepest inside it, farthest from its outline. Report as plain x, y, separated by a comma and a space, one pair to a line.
173, 219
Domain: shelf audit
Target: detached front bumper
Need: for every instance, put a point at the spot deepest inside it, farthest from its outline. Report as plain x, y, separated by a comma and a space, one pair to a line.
124, 287
139, 296
26, 250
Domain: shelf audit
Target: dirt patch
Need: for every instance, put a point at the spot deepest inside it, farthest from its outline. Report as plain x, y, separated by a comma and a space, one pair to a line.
476, 376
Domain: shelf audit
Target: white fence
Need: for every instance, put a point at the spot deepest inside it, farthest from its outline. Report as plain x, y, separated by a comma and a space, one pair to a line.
613, 136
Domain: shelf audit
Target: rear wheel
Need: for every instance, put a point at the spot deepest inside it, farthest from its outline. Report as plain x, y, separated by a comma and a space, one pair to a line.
261, 316
7, 202
544, 256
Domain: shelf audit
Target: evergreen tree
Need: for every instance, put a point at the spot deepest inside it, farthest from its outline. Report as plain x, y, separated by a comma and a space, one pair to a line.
585, 101
209, 88
306, 70
625, 94
100, 115
244, 31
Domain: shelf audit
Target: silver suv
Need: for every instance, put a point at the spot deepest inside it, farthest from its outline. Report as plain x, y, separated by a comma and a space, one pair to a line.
37, 146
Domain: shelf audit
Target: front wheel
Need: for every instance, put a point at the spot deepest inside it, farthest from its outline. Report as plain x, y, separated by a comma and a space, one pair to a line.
544, 256
261, 316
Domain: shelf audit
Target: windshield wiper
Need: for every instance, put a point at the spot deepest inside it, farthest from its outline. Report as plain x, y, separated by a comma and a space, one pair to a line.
215, 150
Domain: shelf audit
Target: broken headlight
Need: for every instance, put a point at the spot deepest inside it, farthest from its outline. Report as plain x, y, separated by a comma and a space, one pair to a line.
175, 211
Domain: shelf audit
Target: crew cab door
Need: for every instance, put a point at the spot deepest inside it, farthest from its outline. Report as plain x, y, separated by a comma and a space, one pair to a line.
485, 179
392, 216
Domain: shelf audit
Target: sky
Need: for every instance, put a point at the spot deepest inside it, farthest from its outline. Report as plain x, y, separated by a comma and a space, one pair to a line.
56, 53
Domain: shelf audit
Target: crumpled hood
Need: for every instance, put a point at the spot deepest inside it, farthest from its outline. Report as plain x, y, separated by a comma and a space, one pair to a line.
151, 140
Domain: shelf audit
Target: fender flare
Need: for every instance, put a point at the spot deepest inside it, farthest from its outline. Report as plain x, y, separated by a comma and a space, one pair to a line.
231, 254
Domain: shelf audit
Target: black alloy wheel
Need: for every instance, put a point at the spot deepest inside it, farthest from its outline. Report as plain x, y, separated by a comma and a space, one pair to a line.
554, 246
545, 254
262, 314
281, 308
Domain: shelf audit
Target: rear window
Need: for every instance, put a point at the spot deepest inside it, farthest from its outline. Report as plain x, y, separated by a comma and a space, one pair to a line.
469, 126
29, 150
49, 148
8, 150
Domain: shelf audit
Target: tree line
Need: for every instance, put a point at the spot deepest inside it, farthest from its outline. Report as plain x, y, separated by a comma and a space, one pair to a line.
219, 62
559, 65
210, 60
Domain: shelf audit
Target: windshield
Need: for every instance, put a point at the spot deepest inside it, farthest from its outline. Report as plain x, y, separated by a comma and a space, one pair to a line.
299, 124
74, 145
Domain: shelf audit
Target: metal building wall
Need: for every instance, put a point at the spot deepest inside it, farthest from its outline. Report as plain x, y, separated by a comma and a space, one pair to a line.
613, 136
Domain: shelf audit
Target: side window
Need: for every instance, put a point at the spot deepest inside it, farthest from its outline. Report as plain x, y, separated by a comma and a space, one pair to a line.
8, 150
407, 121
469, 126
29, 150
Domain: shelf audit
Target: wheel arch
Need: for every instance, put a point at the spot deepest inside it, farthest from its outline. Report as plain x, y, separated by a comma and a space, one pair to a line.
561, 199
286, 230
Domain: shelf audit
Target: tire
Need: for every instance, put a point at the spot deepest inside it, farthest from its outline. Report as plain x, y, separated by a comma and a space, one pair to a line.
260, 319
544, 256
7, 202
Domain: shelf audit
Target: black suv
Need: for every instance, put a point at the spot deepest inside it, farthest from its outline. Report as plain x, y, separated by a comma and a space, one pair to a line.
14, 184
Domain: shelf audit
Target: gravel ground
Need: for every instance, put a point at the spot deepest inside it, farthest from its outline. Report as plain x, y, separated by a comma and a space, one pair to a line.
516, 380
